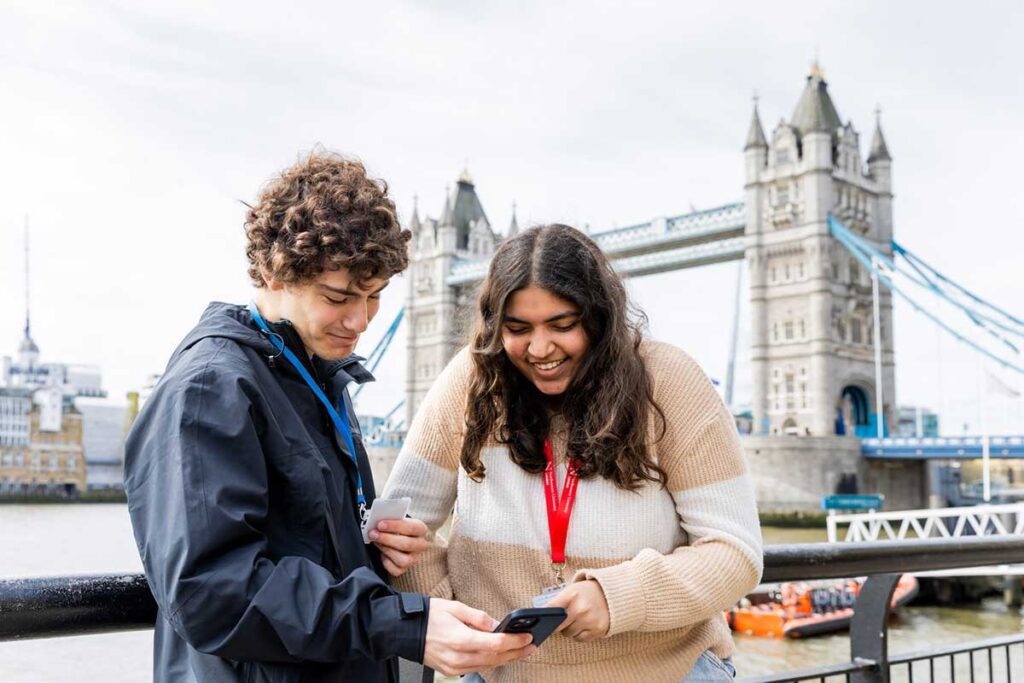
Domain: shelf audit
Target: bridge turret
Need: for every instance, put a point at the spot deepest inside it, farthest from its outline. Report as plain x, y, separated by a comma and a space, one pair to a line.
756, 149
414, 222
513, 226
880, 170
436, 312
447, 233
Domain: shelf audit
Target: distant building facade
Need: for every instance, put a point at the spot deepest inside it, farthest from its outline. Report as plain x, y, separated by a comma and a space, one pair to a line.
103, 439
41, 431
41, 448
917, 421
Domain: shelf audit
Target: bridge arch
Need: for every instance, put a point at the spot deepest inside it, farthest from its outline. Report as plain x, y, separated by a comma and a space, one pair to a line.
854, 409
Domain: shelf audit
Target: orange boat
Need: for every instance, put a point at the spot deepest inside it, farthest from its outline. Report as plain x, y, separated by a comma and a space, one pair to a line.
798, 610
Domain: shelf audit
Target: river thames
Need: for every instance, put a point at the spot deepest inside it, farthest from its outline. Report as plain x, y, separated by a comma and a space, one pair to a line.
48, 540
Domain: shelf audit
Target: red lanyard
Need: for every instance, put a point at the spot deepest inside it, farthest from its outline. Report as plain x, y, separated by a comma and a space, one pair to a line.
559, 509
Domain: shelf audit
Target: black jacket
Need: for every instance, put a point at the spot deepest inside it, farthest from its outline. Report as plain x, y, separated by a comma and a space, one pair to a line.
242, 498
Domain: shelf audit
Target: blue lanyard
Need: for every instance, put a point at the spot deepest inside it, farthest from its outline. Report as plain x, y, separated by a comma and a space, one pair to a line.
340, 423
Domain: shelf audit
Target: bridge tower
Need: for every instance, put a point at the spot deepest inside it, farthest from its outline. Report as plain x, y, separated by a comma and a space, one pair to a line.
811, 302
438, 314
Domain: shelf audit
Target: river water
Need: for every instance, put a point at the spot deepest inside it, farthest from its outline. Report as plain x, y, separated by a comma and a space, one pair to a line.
51, 540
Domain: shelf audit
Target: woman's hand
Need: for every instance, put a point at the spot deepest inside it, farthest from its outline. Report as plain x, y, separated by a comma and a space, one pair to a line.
401, 542
588, 618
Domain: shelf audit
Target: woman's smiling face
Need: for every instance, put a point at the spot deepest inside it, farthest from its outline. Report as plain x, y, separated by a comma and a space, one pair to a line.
544, 338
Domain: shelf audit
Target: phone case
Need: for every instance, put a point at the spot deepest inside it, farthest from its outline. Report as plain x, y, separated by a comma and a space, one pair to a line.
547, 620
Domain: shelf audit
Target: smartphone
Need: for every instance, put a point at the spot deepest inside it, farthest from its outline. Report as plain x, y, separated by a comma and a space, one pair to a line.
384, 509
540, 622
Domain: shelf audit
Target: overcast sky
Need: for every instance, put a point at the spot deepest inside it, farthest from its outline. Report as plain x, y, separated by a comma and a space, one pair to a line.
129, 133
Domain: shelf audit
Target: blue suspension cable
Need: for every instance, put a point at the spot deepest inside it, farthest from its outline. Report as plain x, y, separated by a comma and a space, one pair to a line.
975, 316
910, 256
843, 235
373, 360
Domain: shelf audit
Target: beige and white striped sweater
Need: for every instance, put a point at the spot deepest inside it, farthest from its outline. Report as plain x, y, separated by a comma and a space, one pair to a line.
669, 561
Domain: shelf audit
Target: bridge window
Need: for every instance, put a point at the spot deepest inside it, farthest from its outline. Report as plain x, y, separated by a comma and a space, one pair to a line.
774, 275
803, 329
803, 395
787, 275
72, 463
775, 332
856, 335
789, 330
800, 270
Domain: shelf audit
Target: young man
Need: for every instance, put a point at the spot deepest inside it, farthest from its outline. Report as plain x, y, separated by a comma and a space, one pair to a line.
247, 479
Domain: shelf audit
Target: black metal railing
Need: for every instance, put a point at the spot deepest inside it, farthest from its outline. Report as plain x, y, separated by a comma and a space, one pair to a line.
66, 606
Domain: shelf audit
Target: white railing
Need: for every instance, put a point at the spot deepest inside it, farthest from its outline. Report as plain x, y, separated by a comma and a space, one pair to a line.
977, 520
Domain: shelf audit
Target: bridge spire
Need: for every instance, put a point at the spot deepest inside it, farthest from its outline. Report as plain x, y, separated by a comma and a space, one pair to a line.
414, 222
755, 135
446, 212
879, 150
513, 227
28, 352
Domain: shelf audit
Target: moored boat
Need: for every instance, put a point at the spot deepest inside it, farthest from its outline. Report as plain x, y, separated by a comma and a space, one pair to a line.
799, 610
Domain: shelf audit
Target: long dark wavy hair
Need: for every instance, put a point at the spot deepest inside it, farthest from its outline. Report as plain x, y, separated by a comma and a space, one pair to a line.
608, 405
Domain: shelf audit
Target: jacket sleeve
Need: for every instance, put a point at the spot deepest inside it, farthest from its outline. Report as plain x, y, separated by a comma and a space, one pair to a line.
714, 497
198, 494
427, 471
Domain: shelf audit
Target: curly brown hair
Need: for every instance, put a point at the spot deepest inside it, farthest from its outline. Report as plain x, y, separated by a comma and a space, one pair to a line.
323, 214
608, 407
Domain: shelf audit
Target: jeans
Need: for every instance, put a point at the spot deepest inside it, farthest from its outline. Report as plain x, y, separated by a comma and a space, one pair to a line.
708, 669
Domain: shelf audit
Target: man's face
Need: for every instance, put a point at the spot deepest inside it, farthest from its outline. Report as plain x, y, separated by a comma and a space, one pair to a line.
330, 312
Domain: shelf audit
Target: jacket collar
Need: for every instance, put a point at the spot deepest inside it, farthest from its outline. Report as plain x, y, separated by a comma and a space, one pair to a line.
324, 370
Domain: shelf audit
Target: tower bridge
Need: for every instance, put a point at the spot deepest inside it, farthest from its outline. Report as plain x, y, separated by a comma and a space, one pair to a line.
812, 353
815, 228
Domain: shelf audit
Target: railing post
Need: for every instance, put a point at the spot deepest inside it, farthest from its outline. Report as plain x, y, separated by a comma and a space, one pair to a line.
869, 628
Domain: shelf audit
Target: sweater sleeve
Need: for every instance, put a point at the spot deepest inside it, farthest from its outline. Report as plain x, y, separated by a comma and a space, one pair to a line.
427, 471
714, 498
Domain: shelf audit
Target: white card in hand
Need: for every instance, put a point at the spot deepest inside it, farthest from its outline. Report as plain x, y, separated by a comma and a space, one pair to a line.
384, 509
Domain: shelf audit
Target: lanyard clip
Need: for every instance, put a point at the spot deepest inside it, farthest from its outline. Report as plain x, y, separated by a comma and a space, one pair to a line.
557, 567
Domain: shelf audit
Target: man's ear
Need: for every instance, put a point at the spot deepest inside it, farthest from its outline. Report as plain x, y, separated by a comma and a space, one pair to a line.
272, 284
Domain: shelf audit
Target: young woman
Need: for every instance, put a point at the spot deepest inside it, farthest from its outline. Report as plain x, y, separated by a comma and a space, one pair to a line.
574, 451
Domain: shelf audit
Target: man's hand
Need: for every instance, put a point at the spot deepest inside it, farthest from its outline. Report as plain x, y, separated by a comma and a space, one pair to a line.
401, 541
460, 640
588, 618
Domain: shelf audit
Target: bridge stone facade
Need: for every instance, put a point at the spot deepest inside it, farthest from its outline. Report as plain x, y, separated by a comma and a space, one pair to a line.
812, 354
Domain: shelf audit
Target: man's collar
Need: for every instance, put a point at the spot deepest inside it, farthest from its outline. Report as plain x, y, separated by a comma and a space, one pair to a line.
352, 366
